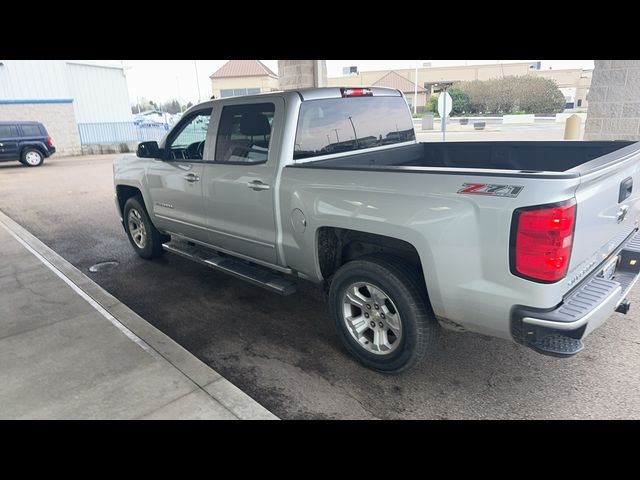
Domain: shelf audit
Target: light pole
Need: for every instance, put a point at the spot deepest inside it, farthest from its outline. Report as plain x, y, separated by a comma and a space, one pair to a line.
355, 135
195, 64
337, 137
178, 87
415, 92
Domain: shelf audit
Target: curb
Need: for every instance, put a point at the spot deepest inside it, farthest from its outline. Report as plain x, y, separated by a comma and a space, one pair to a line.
231, 397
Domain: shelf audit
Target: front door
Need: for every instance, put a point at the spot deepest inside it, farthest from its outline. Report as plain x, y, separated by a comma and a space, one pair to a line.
239, 184
175, 180
9, 139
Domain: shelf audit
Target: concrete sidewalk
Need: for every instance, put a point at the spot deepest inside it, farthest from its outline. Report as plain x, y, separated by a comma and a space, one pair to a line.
70, 350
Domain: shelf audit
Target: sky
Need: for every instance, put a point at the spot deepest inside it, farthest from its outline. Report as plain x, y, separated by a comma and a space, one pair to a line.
161, 80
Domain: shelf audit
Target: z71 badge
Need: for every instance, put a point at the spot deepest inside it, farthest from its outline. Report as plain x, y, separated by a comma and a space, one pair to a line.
490, 189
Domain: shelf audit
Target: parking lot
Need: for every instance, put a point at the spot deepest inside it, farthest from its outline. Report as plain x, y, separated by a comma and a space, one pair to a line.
283, 351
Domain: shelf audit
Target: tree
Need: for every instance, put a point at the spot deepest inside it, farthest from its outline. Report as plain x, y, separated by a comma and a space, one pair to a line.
171, 106
143, 104
526, 94
432, 104
459, 100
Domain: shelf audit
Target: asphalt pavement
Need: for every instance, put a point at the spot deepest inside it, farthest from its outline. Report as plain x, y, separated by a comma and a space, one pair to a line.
284, 353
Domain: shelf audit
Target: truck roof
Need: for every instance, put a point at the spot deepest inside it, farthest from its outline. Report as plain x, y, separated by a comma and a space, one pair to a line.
311, 93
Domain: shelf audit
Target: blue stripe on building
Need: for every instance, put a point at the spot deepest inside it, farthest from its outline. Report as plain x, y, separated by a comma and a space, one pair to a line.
36, 100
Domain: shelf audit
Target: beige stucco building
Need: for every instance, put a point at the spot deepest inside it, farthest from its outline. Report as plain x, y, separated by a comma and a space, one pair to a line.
243, 77
406, 86
574, 83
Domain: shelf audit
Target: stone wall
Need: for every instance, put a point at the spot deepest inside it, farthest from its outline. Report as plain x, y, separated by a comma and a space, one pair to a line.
295, 74
58, 118
614, 101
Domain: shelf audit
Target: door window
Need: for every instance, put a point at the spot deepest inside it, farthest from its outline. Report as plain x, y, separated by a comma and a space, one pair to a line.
8, 131
187, 141
244, 133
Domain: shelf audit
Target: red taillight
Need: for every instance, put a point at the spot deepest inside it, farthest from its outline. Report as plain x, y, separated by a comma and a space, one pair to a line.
50, 141
356, 92
543, 241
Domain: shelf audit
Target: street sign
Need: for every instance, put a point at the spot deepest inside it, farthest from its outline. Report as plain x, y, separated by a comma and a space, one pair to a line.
444, 102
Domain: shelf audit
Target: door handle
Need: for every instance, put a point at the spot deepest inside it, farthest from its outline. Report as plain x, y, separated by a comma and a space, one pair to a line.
192, 177
257, 185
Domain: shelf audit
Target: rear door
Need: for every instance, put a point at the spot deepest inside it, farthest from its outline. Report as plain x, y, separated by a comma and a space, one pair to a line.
608, 207
9, 139
239, 182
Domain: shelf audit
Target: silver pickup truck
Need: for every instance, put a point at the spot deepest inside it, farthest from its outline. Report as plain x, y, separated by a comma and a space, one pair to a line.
531, 241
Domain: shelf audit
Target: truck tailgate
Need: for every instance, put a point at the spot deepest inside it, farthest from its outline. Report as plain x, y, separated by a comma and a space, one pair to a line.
608, 208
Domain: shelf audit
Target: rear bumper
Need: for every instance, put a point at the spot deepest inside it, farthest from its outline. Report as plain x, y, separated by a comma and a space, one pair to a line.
51, 151
585, 308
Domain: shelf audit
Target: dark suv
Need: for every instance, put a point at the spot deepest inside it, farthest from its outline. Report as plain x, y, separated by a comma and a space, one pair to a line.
27, 142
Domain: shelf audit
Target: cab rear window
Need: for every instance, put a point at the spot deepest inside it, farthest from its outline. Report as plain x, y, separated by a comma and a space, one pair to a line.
337, 125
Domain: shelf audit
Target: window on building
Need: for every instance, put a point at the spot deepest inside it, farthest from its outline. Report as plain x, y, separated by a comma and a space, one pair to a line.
237, 92
31, 130
579, 102
8, 131
244, 133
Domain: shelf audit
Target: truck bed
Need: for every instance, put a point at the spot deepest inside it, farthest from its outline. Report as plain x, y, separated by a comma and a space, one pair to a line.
525, 157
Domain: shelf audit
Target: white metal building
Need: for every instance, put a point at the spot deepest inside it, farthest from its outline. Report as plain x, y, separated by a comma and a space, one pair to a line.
63, 93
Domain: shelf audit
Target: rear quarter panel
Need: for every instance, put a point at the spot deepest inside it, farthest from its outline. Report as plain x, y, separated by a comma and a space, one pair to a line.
462, 240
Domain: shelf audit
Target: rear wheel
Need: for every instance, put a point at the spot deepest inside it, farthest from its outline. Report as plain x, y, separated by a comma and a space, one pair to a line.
380, 308
32, 157
144, 236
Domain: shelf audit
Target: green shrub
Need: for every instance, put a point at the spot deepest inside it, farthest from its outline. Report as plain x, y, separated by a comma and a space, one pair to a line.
460, 101
507, 95
432, 104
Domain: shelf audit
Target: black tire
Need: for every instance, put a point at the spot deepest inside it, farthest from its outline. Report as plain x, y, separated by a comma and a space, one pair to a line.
32, 153
152, 245
404, 286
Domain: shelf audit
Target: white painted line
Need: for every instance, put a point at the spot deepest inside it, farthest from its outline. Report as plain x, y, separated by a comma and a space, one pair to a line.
132, 336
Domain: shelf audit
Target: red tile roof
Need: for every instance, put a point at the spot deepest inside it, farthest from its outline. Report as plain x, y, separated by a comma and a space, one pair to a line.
397, 81
243, 68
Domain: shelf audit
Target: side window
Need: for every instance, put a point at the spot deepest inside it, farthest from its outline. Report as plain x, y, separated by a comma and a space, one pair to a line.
8, 131
31, 131
244, 133
187, 141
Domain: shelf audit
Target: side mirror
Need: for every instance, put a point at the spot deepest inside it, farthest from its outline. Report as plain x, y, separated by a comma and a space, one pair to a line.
149, 150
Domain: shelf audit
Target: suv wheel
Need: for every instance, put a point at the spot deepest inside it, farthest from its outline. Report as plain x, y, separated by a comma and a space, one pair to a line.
380, 308
143, 235
32, 157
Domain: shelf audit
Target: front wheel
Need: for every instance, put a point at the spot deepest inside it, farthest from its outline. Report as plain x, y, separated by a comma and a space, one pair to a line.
380, 308
143, 235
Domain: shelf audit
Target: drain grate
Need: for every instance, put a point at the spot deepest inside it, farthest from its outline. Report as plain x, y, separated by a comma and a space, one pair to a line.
98, 267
